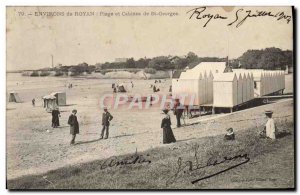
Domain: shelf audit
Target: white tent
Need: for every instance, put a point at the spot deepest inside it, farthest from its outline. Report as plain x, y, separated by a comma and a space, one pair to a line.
50, 102
225, 88
193, 84
251, 87
239, 89
265, 81
245, 98
14, 97
209, 89
214, 67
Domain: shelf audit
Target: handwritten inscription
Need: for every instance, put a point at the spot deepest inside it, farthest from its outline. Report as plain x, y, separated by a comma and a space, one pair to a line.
121, 162
187, 167
241, 15
198, 14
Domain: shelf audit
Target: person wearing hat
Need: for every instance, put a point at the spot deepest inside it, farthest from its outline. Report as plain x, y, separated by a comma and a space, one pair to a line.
74, 126
168, 136
106, 118
229, 135
270, 126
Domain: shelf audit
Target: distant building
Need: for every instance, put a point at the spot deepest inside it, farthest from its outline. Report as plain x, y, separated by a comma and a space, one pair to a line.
121, 59
175, 59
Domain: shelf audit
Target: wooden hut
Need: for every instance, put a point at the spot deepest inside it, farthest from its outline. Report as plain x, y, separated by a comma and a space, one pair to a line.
225, 90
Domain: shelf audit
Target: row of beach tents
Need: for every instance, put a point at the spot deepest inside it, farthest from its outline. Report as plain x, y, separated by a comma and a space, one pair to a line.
209, 84
265, 81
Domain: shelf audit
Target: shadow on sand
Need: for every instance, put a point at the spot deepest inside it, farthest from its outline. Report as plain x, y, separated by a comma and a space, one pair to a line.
87, 142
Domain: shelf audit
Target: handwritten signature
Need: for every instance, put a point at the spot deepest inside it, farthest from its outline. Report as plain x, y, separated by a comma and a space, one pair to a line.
185, 167
128, 160
241, 15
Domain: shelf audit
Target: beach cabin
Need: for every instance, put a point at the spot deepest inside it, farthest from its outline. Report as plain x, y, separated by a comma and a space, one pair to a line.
225, 90
49, 102
61, 98
14, 97
265, 81
195, 85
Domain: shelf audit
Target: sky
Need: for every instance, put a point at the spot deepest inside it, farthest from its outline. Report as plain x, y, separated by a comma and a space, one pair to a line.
32, 39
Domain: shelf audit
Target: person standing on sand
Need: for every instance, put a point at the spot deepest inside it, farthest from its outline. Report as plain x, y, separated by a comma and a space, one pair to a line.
106, 118
33, 102
55, 117
132, 84
178, 110
168, 136
74, 126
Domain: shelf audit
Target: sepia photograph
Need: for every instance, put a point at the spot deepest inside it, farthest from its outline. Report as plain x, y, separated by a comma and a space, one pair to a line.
150, 98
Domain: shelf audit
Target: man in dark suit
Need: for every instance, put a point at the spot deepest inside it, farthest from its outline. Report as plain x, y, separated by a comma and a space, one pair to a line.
74, 126
106, 118
178, 110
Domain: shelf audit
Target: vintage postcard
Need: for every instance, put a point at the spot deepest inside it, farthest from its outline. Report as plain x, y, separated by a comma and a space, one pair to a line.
150, 98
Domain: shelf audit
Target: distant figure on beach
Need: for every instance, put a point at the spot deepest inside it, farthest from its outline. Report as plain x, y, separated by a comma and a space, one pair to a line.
106, 118
55, 117
229, 135
113, 85
33, 102
132, 84
170, 88
178, 110
155, 89
270, 127
74, 126
168, 136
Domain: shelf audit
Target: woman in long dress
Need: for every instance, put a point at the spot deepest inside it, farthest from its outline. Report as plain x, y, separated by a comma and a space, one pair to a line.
55, 117
168, 136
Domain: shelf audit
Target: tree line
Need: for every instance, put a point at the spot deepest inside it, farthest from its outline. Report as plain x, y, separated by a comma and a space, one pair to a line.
269, 58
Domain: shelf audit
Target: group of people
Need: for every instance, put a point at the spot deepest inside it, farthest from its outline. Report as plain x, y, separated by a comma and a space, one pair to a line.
269, 131
74, 125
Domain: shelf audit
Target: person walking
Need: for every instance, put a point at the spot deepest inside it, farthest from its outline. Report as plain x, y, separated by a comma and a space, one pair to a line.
74, 126
168, 136
106, 118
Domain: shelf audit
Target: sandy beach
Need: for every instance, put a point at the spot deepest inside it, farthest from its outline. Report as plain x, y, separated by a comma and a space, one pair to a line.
33, 150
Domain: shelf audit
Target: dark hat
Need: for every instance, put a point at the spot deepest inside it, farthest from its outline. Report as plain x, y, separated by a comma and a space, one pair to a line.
165, 110
229, 130
74, 111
